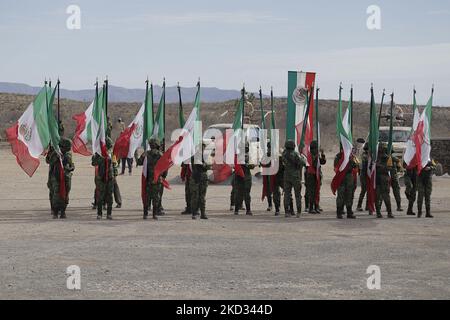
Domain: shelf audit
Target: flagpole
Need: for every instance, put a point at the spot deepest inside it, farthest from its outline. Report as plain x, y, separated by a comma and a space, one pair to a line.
144, 143
351, 111
243, 107
106, 96
57, 84
381, 106
391, 124
317, 116
164, 116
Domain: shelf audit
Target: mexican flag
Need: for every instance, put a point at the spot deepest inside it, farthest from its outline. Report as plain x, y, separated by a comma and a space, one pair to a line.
30, 136
158, 128
299, 84
343, 127
185, 146
138, 131
373, 154
55, 139
84, 129
98, 125
233, 140
410, 152
422, 136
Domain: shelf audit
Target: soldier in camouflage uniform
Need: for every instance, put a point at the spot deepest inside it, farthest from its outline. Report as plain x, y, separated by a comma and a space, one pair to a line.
384, 163
185, 177
104, 180
243, 185
153, 189
311, 179
59, 202
346, 189
363, 179
395, 169
198, 184
293, 164
410, 188
425, 186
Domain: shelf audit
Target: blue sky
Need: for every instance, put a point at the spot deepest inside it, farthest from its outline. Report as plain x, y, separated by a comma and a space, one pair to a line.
230, 42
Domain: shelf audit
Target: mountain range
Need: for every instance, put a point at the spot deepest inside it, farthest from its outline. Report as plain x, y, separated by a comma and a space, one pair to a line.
120, 94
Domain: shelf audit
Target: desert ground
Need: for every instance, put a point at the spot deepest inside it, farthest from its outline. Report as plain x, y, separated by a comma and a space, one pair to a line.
225, 257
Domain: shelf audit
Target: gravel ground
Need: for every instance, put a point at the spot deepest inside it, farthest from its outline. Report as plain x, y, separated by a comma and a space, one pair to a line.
225, 257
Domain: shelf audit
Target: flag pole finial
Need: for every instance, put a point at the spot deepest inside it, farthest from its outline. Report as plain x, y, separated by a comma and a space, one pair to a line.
432, 88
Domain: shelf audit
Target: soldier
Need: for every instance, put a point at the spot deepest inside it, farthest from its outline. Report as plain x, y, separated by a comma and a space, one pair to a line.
104, 180
268, 180
410, 188
382, 180
243, 185
292, 177
395, 169
116, 193
363, 179
311, 176
60, 201
346, 189
153, 189
185, 177
424, 186
198, 184
277, 186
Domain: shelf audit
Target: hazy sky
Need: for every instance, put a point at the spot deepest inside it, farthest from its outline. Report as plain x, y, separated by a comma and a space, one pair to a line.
230, 42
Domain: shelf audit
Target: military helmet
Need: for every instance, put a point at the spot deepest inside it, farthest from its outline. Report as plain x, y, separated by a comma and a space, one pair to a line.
289, 145
154, 143
65, 145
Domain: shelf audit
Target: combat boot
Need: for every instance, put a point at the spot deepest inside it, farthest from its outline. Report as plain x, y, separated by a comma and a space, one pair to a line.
194, 215
55, 214
339, 213
109, 212
248, 208
419, 208
187, 210
63, 214
145, 213
428, 211
203, 214
410, 209
350, 214
155, 213
99, 212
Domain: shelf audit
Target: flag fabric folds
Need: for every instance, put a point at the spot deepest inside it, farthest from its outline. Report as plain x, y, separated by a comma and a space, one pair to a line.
373, 154
185, 145
30, 136
343, 127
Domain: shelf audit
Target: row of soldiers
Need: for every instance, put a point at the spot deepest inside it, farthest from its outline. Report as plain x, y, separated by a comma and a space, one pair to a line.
287, 178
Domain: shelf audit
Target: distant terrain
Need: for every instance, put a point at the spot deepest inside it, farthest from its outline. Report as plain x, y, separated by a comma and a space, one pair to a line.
119, 94
13, 105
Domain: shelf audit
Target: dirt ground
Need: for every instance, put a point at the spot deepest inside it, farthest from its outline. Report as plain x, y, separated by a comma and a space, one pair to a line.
225, 257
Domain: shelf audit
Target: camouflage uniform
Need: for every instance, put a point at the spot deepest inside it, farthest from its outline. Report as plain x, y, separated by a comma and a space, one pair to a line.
293, 164
363, 179
186, 177
394, 170
59, 203
410, 188
311, 179
153, 189
243, 186
346, 189
382, 181
198, 184
424, 187
104, 181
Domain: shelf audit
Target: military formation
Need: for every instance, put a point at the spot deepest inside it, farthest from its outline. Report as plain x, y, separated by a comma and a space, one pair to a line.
283, 187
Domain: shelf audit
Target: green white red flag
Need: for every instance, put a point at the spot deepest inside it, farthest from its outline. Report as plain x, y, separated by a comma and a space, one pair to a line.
30, 136
343, 127
373, 154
